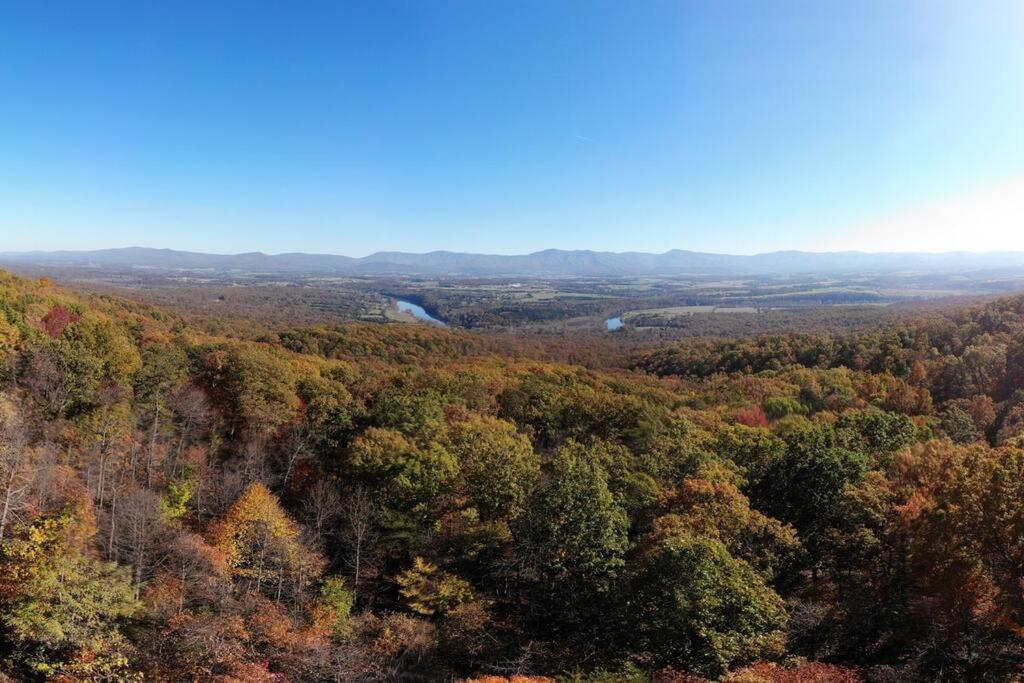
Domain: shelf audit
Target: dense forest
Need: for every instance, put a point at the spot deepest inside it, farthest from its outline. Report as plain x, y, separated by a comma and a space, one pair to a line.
369, 502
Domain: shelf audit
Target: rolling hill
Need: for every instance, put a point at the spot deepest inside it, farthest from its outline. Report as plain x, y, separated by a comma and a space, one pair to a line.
548, 263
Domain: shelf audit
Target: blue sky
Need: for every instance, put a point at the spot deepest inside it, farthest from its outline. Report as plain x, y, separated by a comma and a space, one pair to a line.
506, 127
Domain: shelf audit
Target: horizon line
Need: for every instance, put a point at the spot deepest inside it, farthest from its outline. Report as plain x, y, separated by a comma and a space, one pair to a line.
529, 253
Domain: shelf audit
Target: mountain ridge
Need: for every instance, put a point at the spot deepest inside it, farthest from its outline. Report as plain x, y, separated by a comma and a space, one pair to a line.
547, 262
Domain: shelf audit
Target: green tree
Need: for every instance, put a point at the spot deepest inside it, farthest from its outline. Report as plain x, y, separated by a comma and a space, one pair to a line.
329, 412
755, 451
959, 426
335, 605
255, 386
580, 531
417, 414
696, 607
430, 591
498, 465
805, 487
878, 433
410, 474
780, 406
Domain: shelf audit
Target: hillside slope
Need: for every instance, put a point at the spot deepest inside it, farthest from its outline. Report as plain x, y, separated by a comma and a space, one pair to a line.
369, 502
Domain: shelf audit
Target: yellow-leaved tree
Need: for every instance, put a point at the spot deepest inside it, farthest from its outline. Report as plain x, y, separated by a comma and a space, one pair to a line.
262, 545
10, 336
430, 591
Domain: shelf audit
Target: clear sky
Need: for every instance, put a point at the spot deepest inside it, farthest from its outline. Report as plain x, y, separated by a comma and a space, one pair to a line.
512, 126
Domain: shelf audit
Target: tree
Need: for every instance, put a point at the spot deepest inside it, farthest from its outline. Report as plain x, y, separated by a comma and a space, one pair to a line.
752, 417
10, 336
61, 609
880, 433
929, 555
321, 509
780, 406
497, 464
45, 380
719, 511
15, 465
579, 531
193, 576
430, 591
696, 607
334, 605
164, 371
139, 531
192, 410
416, 414
57, 319
106, 435
261, 543
255, 387
804, 488
93, 354
756, 451
410, 473
958, 425
328, 413
360, 516
981, 367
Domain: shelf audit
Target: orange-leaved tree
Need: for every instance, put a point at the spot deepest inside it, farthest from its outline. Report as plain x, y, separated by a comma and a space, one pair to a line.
262, 544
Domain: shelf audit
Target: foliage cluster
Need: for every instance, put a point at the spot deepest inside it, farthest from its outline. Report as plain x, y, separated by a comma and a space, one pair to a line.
370, 504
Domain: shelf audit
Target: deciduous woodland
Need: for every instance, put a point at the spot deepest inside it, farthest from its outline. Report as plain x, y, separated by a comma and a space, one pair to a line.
396, 502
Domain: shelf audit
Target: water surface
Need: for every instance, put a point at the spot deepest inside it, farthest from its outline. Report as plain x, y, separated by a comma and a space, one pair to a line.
419, 312
613, 324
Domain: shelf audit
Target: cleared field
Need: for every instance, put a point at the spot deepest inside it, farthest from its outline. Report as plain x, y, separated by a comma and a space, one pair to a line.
676, 311
672, 311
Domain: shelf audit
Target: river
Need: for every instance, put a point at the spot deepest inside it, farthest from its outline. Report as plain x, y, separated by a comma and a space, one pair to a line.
420, 313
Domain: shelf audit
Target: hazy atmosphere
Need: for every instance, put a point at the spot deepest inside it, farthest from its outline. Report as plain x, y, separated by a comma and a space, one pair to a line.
479, 341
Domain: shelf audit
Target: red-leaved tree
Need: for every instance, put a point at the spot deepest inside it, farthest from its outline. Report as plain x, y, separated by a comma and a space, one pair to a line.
57, 319
752, 417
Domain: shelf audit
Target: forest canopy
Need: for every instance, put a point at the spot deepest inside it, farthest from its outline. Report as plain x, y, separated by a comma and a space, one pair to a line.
396, 502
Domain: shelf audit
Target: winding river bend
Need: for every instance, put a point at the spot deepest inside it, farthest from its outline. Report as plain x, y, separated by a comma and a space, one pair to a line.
419, 312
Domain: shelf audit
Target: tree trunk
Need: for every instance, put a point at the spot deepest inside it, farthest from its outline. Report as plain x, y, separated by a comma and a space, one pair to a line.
359, 550
152, 444
113, 526
8, 493
181, 443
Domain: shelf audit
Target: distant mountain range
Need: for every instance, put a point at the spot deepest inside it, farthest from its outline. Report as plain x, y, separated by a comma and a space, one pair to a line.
547, 263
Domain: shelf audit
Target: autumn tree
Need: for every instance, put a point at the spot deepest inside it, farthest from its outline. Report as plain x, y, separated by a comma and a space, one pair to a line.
190, 407
57, 319
360, 520
410, 473
261, 544
61, 609
717, 510
15, 465
164, 372
139, 530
